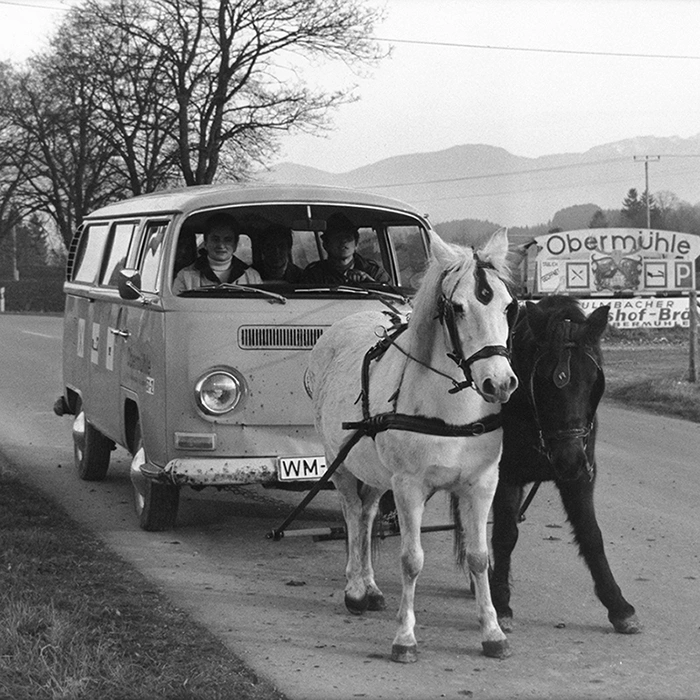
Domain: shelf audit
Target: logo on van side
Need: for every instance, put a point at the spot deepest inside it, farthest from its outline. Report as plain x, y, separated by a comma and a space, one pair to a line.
138, 362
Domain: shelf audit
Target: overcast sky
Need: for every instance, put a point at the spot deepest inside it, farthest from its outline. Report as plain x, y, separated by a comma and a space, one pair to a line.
532, 76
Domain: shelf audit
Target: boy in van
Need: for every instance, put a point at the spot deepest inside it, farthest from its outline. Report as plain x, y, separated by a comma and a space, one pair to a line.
216, 263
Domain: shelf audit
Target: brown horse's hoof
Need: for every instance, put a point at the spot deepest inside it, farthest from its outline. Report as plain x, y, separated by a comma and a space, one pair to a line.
375, 601
404, 654
355, 606
506, 623
496, 650
630, 625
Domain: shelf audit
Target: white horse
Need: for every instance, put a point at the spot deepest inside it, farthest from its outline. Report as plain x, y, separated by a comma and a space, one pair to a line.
428, 430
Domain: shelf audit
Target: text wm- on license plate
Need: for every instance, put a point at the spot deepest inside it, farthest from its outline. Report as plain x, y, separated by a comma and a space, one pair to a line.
301, 468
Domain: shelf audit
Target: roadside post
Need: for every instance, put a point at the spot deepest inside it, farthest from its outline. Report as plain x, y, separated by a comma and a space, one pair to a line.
693, 324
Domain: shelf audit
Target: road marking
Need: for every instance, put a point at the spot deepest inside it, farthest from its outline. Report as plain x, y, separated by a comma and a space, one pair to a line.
41, 335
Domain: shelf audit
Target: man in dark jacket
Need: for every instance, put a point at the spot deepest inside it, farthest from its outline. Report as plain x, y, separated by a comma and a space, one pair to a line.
343, 264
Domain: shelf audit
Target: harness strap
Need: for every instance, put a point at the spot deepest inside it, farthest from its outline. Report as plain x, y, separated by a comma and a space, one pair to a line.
371, 425
422, 424
375, 352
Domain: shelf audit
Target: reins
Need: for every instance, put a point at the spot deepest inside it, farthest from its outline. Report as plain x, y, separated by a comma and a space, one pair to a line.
392, 420
370, 426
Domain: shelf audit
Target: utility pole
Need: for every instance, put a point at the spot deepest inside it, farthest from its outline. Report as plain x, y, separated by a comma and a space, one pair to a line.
646, 160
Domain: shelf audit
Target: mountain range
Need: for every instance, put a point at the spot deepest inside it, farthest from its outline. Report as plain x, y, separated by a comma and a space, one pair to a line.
478, 181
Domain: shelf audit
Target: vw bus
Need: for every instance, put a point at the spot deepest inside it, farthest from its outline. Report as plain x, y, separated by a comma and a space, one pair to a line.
206, 388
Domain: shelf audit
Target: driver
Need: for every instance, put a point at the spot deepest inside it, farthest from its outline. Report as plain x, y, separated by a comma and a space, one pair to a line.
343, 264
216, 263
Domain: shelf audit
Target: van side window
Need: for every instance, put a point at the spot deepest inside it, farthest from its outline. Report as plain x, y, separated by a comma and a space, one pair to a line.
119, 247
151, 254
88, 257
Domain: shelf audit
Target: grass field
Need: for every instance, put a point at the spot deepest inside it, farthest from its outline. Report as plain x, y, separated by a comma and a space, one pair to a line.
649, 370
78, 623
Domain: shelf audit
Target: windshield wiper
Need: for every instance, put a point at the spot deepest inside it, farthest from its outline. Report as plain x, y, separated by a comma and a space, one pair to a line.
347, 289
272, 296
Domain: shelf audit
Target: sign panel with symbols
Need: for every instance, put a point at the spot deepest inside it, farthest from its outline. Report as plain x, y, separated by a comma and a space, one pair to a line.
615, 261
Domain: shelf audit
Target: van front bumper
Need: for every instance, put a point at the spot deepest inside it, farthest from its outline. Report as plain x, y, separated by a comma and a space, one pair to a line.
222, 471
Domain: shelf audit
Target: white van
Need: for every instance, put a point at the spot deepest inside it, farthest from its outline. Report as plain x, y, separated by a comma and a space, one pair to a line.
206, 388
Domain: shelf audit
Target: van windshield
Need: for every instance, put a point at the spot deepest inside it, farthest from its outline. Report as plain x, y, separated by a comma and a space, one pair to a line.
293, 250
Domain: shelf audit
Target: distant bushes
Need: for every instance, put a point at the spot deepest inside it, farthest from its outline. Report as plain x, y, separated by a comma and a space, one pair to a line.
39, 290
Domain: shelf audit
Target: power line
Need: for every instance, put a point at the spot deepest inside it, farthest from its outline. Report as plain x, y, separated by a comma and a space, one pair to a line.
552, 188
29, 5
576, 52
487, 176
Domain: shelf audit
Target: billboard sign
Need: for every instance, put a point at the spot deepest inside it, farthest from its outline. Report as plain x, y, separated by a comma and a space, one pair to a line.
613, 260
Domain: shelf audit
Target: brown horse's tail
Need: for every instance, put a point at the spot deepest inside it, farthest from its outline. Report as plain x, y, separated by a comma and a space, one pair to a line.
458, 537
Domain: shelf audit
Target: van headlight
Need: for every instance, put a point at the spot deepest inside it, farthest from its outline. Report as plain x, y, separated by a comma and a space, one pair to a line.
218, 391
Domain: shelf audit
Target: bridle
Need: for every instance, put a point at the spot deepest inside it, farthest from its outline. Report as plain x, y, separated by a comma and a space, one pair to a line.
561, 378
447, 316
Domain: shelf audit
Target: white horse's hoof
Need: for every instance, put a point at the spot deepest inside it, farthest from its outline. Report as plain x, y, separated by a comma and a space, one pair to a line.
403, 654
357, 606
375, 601
496, 650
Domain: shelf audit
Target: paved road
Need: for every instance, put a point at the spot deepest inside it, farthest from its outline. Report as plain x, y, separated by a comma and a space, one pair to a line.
279, 606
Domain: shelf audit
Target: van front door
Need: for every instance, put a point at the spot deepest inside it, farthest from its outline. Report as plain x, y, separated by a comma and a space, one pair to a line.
141, 350
103, 334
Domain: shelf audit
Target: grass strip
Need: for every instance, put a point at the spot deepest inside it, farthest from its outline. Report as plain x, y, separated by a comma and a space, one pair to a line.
79, 623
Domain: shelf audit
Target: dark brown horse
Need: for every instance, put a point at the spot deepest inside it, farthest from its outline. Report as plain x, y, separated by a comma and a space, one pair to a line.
549, 431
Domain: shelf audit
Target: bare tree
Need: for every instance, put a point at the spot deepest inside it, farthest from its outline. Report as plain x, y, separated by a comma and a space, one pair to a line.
130, 104
13, 155
228, 69
70, 163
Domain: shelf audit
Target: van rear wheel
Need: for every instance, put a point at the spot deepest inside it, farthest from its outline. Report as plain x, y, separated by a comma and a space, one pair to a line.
92, 450
156, 502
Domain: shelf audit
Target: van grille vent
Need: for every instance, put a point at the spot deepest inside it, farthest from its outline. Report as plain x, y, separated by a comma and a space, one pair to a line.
279, 337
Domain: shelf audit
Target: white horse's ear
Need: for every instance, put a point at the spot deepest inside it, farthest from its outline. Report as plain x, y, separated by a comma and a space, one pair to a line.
440, 250
496, 248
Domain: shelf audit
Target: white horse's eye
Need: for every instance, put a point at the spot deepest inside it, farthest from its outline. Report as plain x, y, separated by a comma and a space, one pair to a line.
458, 309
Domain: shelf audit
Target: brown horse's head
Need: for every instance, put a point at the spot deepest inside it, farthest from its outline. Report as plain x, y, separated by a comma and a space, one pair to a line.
563, 376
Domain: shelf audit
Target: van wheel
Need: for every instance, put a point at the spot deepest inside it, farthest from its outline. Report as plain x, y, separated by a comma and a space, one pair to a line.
156, 502
91, 448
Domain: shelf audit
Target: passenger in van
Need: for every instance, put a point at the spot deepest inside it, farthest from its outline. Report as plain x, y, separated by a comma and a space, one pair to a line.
216, 263
276, 255
343, 264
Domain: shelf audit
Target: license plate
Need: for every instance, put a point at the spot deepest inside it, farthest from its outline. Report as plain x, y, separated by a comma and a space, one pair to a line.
301, 468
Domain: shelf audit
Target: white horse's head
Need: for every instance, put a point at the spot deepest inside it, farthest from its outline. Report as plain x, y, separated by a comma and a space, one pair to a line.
469, 286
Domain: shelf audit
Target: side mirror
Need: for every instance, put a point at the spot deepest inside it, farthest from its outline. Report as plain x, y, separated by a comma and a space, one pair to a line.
129, 284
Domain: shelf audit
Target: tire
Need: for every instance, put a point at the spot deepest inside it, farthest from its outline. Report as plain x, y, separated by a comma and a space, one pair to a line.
91, 449
156, 502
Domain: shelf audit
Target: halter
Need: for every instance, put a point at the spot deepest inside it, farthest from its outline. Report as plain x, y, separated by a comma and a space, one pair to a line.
561, 378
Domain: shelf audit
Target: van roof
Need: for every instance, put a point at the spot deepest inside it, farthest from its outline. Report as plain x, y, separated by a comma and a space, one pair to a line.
189, 199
